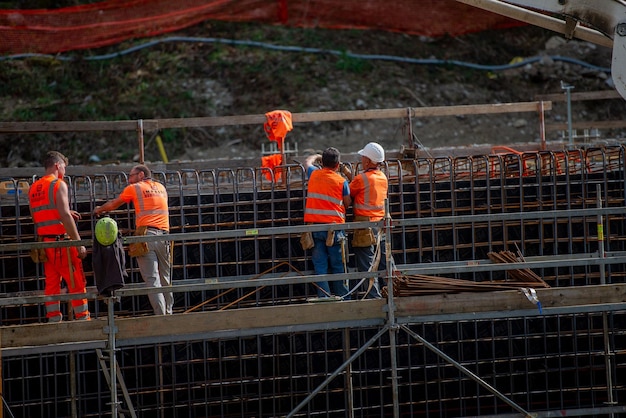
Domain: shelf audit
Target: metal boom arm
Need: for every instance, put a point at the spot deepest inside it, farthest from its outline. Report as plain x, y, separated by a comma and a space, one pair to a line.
605, 22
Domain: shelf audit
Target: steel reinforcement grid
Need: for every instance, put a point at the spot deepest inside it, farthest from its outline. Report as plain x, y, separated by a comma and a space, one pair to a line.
543, 363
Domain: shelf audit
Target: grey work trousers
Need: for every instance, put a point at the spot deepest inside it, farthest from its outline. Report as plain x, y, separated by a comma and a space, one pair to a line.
155, 269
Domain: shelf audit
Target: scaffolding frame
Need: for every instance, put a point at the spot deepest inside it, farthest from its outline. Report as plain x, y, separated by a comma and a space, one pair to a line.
550, 206
391, 322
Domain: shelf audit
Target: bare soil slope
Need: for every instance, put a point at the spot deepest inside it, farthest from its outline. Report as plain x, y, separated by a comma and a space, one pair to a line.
192, 79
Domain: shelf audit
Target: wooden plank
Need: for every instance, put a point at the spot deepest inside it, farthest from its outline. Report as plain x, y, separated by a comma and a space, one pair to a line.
47, 334
603, 124
192, 323
581, 96
252, 318
421, 112
156, 124
212, 121
480, 109
75, 126
509, 300
325, 314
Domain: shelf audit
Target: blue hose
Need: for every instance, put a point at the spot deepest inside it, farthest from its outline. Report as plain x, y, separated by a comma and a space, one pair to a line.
285, 48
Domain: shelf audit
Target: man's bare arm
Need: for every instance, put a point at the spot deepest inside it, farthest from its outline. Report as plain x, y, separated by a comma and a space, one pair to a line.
63, 207
109, 206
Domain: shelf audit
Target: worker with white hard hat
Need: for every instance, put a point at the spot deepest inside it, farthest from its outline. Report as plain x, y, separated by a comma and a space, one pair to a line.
369, 191
374, 152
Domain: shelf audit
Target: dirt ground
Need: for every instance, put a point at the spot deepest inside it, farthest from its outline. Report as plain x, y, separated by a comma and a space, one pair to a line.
218, 80
389, 85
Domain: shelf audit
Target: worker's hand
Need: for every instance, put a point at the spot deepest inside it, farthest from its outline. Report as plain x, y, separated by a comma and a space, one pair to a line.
345, 170
75, 215
82, 252
98, 210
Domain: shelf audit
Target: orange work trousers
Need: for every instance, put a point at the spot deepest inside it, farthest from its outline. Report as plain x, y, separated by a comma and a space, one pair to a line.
64, 264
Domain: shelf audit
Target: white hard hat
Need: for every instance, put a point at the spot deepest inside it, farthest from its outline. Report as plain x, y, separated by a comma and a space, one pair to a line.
374, 152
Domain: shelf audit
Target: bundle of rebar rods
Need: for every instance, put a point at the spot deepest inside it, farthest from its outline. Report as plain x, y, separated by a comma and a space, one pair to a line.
420, 285
517, 275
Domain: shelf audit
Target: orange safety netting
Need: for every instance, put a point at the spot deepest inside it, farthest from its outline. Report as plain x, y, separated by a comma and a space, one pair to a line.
113, 21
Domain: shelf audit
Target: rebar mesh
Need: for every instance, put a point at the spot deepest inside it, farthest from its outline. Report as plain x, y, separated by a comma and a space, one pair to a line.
553, 362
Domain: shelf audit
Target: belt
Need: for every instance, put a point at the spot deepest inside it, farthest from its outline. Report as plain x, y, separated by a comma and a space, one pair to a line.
158, 229
55, 237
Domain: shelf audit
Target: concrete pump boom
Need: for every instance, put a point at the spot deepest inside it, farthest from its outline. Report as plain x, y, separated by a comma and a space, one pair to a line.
604, 20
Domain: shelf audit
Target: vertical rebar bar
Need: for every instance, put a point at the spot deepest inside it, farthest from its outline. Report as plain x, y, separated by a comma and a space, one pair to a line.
605, 325
112, 329
568, 92
542, 125
349, 386
600, 232
393, 326
409, 131
72, 377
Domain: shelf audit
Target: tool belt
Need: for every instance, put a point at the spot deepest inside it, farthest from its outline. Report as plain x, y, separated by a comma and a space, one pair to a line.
330, 238
363, 237
54, 237
306, 240
137, 249
38, 255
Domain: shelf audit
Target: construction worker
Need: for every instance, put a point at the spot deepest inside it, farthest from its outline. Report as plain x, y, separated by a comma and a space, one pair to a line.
328, 196
149, 199
369, 191
54, 221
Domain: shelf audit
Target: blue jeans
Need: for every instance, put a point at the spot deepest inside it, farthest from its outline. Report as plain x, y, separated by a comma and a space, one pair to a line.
328, 260
364, 257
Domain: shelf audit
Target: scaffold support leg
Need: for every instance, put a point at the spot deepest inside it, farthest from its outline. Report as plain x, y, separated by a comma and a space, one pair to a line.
105, 368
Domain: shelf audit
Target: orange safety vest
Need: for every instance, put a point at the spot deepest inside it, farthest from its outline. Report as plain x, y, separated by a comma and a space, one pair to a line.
277, 125
369, 191
150, 200
324, 200
42, 198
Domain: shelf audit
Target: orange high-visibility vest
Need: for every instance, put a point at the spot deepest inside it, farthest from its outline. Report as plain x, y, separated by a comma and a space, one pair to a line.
369, 190
277, 125
324, 200
150, 200
42, 198
271, 162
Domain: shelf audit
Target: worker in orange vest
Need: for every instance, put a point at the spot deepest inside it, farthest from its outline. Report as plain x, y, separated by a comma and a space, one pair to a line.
54, 221
369, 191
328, 195
149, 198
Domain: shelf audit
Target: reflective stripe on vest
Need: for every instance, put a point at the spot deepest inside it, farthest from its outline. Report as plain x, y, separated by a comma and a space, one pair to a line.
369, 206
45, 215
141, 212
324, 201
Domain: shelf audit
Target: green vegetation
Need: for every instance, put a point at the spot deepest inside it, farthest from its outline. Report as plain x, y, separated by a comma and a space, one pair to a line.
181, 80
